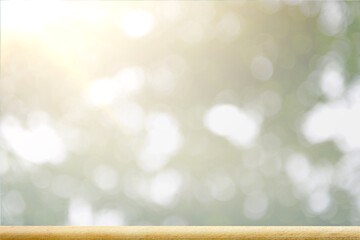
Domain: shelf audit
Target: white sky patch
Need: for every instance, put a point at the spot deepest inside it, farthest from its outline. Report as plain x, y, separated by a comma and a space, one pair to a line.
105, 177
321, 177
109, 217
37, 144
163, 140
37, 16
348, 174
29, 16
163, 134
104, 91
137, 23
165, 186
332, 83
262, 68
232, 123
298, 168
80, 213
324, 122
337, 121
332, 18
319, 201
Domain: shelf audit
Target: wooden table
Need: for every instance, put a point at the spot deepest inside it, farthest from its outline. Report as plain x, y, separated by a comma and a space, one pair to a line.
293, 233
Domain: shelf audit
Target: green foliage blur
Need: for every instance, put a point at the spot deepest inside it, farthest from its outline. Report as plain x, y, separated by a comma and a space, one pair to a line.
180, 113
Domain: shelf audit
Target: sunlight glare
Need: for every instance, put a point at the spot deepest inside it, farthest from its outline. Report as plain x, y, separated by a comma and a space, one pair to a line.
38, 144
29, 16
137, 23
232, 123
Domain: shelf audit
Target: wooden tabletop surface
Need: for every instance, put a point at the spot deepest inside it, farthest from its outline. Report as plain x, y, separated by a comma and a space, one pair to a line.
52, 232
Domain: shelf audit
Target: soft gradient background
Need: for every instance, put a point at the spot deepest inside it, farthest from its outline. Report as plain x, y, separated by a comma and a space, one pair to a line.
180, 113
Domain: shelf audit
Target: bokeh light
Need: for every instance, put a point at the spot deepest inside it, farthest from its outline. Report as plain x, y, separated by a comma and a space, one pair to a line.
180, 113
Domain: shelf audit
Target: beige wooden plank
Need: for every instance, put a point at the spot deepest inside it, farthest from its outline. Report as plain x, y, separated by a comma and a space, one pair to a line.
50, 232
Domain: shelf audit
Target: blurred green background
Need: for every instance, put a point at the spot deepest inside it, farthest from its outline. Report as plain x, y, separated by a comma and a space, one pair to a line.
180, 113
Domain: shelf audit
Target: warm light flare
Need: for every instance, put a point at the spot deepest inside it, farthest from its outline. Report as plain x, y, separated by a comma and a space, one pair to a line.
30, 16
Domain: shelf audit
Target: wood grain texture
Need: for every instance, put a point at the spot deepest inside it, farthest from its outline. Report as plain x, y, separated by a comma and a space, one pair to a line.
99, 233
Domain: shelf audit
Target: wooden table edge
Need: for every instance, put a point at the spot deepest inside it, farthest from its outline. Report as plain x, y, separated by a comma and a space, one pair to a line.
180, 232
